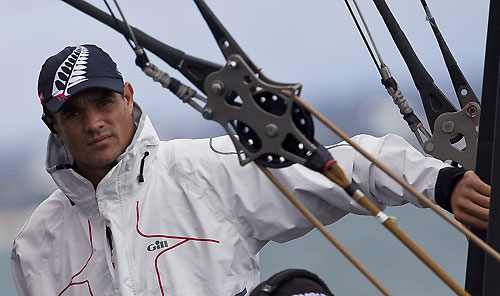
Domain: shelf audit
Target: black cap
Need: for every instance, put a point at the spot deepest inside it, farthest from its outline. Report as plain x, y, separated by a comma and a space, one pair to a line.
74, 69
292, 282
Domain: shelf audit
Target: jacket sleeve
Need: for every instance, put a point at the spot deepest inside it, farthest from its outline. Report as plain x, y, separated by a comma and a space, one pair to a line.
263, 213
17, 273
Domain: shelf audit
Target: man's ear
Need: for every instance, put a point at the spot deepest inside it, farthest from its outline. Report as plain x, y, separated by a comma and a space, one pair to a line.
128, 94
49, 123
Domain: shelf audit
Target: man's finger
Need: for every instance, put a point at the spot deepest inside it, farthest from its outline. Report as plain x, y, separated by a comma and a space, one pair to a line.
480, 200
471, 221
477, 211
479, 185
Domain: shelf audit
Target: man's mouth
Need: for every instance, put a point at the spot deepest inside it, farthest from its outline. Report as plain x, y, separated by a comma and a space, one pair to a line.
98, 140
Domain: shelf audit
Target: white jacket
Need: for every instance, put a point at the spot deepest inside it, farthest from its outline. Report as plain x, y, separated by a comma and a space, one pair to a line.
196, 223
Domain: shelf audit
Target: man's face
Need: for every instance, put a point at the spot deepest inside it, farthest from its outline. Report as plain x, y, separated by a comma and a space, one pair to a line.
96, 126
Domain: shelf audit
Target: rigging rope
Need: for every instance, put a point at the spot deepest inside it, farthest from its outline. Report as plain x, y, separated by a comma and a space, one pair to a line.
182, 91
367, 30
362, 34
388, 81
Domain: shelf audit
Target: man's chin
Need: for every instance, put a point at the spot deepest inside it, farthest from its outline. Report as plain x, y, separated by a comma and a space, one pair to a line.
103, 162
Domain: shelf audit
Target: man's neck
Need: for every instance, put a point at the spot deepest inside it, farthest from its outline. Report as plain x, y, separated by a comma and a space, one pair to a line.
92, 174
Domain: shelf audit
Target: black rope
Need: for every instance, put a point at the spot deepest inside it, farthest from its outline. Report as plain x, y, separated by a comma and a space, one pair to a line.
362, 34
118, 24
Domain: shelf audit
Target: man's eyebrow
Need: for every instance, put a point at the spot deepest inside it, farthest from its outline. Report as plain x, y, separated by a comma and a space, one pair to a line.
68, 108
103, 95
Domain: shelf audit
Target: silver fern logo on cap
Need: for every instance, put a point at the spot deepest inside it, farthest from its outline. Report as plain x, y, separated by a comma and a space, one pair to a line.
70, 72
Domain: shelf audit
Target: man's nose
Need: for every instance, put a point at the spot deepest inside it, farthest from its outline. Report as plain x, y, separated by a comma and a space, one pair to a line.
93, 121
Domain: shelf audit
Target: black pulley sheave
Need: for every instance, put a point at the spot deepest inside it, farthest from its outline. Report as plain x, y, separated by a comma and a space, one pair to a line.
273, 104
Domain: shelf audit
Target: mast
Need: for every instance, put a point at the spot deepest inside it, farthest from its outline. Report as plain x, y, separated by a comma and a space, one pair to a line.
482, 272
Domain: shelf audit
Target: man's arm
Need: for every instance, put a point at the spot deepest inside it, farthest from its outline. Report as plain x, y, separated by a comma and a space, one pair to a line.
265, 214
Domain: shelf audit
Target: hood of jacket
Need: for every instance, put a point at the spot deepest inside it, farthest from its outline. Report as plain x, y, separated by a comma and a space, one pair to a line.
59, 162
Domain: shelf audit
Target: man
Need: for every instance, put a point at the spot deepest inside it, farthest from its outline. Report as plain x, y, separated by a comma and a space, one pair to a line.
134, 215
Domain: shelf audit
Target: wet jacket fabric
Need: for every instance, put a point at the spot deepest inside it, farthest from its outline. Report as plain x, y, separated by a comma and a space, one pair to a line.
196, 223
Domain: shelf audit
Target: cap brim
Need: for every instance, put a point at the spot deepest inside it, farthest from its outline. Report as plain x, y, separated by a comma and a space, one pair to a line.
108, 83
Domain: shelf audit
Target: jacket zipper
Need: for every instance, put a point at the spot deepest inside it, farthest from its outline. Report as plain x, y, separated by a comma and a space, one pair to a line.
110, 244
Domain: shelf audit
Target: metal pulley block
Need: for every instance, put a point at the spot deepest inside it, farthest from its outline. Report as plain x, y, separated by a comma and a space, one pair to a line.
271, 127
449, 126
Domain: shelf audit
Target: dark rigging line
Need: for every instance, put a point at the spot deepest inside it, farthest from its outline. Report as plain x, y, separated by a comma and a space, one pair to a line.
362, 34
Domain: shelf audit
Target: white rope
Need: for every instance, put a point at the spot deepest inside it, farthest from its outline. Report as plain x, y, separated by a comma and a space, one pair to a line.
184, 92
399, 100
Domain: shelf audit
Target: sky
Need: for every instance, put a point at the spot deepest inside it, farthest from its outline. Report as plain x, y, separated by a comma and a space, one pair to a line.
311, 42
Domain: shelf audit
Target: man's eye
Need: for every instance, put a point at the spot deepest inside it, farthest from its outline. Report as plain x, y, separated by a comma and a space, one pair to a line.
104, 102
72, 114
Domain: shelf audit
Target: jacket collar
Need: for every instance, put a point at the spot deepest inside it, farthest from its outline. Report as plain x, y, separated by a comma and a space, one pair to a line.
78, 189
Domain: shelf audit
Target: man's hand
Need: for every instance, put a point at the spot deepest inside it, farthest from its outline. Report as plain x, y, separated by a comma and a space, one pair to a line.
470, 201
